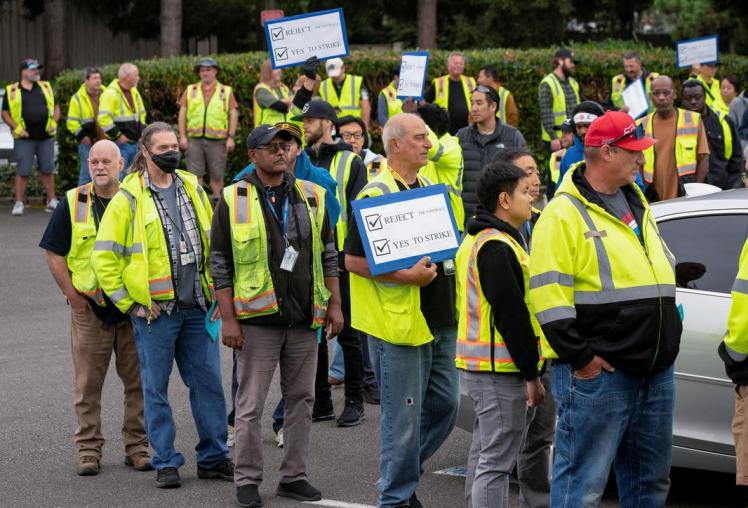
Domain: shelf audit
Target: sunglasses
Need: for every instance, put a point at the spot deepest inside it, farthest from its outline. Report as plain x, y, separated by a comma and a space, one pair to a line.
637, 133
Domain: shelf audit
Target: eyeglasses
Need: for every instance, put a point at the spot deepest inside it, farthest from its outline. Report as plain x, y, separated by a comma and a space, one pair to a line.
482, 89
274, 147
637, 133
352, 135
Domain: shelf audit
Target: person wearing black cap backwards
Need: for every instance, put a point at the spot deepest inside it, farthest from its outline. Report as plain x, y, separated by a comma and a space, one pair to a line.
481, 140
558, 94
320, 123
274, 267
208, 116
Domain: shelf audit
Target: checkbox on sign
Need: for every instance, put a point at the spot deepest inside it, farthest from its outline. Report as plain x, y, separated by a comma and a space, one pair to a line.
373, 222
276, 34
281, 53
382, 247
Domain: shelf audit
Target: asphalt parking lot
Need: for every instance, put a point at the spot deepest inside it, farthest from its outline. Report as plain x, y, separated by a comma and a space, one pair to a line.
38, 457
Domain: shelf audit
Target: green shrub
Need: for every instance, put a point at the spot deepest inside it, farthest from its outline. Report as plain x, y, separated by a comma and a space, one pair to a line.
163, 80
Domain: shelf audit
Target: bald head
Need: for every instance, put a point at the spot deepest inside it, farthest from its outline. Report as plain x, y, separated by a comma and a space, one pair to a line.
663, 94
128, 76
105, 163
406, 141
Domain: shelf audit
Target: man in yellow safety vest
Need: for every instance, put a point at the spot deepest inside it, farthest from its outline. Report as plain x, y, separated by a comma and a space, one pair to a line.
452, 92
388, 105
97, 327
632, 71
29, 109
558, 94
208, 116
82, 118
345, 92
507, 111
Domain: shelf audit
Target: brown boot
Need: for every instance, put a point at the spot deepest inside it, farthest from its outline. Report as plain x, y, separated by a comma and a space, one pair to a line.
88, 466
139, 461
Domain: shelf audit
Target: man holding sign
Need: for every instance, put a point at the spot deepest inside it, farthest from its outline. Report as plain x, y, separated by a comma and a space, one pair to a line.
409, 318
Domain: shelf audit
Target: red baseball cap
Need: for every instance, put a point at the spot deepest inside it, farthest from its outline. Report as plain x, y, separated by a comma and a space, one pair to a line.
618, 129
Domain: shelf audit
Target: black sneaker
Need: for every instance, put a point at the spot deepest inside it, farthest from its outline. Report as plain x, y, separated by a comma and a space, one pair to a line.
224, 470
247, 496
413, 502
323, 411
371, 395
352, 414
168, 478
301, 490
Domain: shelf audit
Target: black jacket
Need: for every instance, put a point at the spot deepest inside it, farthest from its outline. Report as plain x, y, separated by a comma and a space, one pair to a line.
636, 336
479, 150
503, 285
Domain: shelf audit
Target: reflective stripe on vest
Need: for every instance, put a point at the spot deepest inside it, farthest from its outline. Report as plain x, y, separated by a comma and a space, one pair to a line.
503, 97
555, 164
269, 115
349, 101
686, 144
211, 121
83, 236
559, 102
442, 90
340, 169
726, 134
394, 105
15, 99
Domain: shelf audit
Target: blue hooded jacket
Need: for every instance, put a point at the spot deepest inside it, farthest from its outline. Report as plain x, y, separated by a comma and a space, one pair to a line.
575, 154
305, 170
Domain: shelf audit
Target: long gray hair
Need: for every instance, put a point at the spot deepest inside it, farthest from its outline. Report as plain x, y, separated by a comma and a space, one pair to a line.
139, 163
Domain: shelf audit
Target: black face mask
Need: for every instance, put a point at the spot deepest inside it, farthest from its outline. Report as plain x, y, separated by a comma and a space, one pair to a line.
167, 161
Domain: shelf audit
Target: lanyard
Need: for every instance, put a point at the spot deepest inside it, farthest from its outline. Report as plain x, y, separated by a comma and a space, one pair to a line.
284, 222
400, 179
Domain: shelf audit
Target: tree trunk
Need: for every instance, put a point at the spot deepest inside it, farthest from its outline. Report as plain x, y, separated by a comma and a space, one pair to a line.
427, 24
171, 27
55, 49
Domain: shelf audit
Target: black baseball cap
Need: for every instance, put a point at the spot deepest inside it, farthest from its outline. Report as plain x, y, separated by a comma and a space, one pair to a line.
263, 134
30, 63
566, 126
317, 109
565, 53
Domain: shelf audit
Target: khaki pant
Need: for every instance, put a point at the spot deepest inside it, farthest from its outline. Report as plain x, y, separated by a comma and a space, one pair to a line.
92, 344
264, 347
210, 153
740, 433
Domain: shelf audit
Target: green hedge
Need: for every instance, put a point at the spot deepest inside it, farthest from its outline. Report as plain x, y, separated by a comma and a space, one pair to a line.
163, 80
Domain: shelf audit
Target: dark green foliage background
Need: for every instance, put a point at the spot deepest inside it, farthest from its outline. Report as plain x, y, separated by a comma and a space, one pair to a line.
163, 80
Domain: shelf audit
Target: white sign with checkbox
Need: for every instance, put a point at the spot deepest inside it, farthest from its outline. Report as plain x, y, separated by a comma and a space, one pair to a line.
294, 39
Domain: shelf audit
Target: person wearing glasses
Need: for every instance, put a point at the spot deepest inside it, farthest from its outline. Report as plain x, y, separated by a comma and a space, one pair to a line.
353, 131
275, 271
481, 141
602, 286
681, 154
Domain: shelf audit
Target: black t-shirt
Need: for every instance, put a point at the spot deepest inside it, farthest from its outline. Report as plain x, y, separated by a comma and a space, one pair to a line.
437, 299
57, 239
33, 110
457, 105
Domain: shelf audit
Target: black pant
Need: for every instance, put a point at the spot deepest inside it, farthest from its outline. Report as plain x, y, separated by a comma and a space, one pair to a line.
350, 343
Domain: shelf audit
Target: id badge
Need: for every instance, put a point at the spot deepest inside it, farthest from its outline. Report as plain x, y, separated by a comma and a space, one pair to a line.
289, 259
449, 267
182, 247
187, 258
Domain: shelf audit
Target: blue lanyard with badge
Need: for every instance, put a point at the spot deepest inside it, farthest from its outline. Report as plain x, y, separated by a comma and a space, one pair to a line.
291, 255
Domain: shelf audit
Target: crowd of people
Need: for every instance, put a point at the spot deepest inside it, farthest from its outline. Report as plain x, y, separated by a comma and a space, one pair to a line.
561, 324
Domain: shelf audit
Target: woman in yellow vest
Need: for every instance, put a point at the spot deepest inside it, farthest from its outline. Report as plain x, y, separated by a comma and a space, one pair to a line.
497, 333
271, 98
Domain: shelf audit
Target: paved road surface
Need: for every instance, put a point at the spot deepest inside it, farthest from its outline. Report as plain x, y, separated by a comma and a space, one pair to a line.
37, 455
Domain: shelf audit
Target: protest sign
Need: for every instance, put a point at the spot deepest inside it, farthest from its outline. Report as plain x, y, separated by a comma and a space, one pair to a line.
400, 228
702, 50
413, 67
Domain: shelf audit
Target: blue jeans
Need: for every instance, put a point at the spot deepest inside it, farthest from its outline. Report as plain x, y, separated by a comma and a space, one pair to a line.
128, 151
614, 419
83, 174
419, 392
181, 336
337, 367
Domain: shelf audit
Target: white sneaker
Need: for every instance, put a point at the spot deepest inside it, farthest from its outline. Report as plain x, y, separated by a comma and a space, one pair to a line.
18, 208
279, 438
51, 205
231, 436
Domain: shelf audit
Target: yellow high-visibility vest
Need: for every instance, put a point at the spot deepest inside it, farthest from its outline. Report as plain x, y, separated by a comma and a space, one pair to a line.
254, 293
81, 111
80, 204
441, 90
394, 105
559, 102
269, 116
13, 96
211, 122
686, 142
349, 101
618, 84
478, 340
712, 91
114, 107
